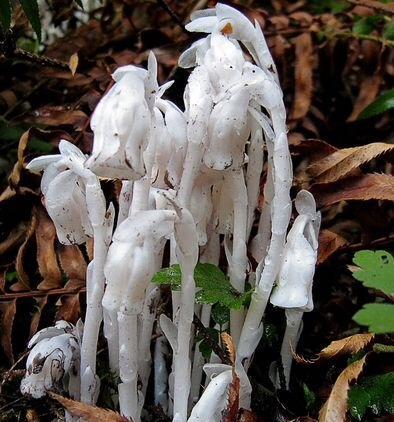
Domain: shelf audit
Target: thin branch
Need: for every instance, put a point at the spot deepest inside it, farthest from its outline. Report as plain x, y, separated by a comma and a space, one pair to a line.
388, 8
174, 16
38, 293
210, 341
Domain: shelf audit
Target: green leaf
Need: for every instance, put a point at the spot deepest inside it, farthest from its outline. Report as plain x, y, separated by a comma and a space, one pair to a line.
214, 285
220, 314
30, 7
374, 394
384, 103
36, 145
376, 270
364, 26
5, 14
388, 31
309, 397
332, 6
203, 346
379, 317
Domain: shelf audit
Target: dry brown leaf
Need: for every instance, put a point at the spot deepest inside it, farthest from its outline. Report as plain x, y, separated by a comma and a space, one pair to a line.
303, 75
246, 416
40, 305
46, 254
72, 262
329, 243
21, 262
32, 416
231, 412
369, 90
69, 303
7, 311
87, 412
346, 346
229, 344
340, 163
73, 63
368, 186
335, 408
57, 115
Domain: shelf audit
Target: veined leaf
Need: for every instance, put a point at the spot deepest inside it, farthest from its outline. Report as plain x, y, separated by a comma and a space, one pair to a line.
379, 317
374, 394
388, 31
376, 270
214, 285
384, 103
367, 24
30, 7
5, 14
335, 408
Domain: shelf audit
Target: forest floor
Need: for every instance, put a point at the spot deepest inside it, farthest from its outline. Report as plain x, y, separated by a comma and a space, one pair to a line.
335, 61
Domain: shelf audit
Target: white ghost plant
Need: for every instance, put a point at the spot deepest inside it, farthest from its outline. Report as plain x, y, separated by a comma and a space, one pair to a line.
293, 291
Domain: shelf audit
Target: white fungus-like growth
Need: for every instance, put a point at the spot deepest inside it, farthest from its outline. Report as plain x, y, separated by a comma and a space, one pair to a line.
190, 187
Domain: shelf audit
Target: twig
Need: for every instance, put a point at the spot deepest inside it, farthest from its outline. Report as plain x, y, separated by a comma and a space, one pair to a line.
210, 341
38, 293
362, 245
348, 34
173, 15
20, 54
373, 5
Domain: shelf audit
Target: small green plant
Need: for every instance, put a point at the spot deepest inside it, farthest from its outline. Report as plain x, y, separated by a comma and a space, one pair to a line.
214, 285
382, 104
374, 394
375, 269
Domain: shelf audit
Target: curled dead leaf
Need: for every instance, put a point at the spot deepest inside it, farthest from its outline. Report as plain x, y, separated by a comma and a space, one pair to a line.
7, 312
73, 63
346, 346
87, 412
340, 163
46, 253
305, 61
369, 90
329, 243
335, 408
368, 186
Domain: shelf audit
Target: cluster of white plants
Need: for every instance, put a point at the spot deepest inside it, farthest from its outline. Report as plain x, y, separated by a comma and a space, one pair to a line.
190, 183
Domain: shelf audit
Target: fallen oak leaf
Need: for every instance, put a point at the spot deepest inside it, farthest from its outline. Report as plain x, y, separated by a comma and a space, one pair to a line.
342, 162
369, 90
46, 254
87, 412
7, 311
368, 186
305, 61
335, 408
231, 412
73, 63
338, 348
329, 243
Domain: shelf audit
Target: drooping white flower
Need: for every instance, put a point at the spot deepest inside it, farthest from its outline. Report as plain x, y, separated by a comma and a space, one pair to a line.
53, 362
64, 192
294, 286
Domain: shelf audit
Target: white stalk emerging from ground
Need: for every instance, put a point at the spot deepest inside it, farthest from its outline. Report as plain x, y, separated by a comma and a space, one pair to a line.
294, 288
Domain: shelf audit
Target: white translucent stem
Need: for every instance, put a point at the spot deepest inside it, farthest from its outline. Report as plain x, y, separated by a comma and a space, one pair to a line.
280, 213
253, 173
210, 405
125, 199
90, 383
290, 340
190, 172
161, 373
128, 350
147, 321
198, 360
140, 200
182, 361
238, 264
